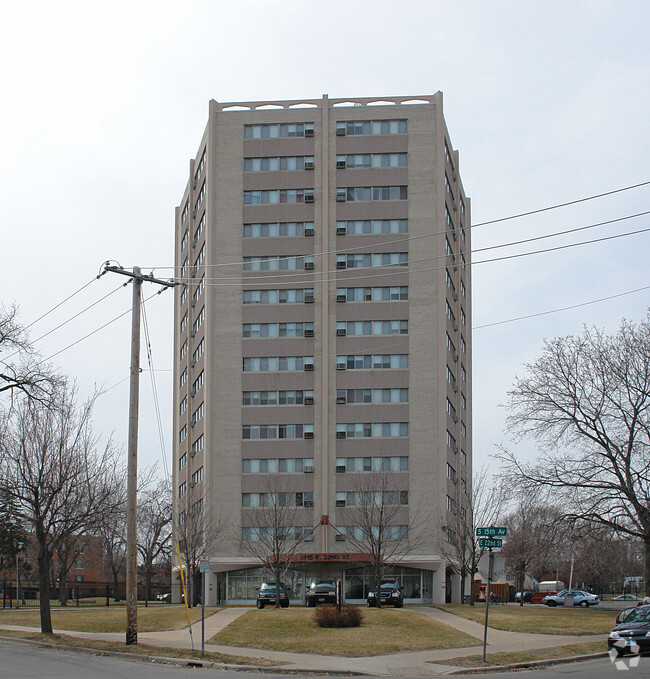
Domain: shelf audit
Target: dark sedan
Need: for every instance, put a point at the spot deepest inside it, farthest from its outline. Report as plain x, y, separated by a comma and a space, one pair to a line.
632, 632
321, 592
391, 594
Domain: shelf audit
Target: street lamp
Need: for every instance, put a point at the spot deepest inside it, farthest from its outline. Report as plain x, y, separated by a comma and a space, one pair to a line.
19, 546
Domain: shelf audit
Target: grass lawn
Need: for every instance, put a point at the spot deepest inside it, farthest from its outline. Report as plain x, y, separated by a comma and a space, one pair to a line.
382, 631
539, 619
543, 654
111, 619
139, 649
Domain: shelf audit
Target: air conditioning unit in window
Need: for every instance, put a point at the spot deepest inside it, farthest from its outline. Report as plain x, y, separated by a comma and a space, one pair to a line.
308, 470
309, 231
454, 176
454, 417
193, 333
340, 538
309, 165
340, 366
309, 503
193, 214
455, 296
341, 264
341, 198
309, 132
454, 325
308, 435
340, 469
309, 401
193, 392
193, 303
340, 165
340, 503
192, 484
341, 400
455, 357
193, 363
309, 299
341, 231
341, 332
309, 367
309, 198
340, 132
309, 266
308, 333
455, 388
340, 434
194, 183
455, 206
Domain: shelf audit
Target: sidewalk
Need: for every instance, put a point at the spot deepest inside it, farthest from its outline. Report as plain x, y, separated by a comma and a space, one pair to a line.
407, 663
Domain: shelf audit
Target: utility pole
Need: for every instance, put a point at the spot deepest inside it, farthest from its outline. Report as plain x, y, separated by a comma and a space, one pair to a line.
132, 450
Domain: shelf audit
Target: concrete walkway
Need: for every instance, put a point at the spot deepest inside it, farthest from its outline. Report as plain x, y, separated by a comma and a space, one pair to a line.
406, 663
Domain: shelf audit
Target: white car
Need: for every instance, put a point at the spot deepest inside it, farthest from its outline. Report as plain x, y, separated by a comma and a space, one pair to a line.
580, 598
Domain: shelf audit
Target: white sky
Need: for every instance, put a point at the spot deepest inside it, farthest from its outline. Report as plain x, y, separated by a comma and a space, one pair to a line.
104, 104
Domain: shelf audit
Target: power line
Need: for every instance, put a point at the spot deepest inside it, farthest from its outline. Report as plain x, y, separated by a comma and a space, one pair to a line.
566, 308
47, 313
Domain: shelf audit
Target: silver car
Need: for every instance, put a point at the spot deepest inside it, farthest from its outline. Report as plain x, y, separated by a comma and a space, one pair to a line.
580, 598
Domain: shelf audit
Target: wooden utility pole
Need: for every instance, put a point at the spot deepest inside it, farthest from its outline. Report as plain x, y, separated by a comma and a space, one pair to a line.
132, 451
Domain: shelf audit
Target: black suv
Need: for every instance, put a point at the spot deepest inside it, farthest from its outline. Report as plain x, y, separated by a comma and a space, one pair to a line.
391, 594
321, 592
266, 595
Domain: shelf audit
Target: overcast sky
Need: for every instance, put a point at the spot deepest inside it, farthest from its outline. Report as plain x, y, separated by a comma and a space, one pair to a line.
104, 104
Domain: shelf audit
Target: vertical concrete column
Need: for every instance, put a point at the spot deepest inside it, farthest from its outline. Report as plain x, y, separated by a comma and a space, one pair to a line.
210, 589
438, 585
455, 589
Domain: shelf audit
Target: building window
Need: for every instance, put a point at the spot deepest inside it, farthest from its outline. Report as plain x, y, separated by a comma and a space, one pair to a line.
372, 193
182, 489
378, 498
451, 505
378, 294
198, 321
183, 433
289, 465
290, 296
373, 430
197, 446
257, 330
183, 377
276, 363
185, 239
365, 260
276, 431
198, 352
372, 160
182, 461
278, 196
299, 499
373, 362
278, 229
196, 508
197, 477
183, 405
277, 262
451, 410
272, 398
184, 321
372, 327
371, 127
372, 396
198, 290
199, 230
372, 464
277, 130
297, 533
451, 473
200, 197
197, 415
278, 163
451, 442
184, 349
198, 383
388, 532
363, 227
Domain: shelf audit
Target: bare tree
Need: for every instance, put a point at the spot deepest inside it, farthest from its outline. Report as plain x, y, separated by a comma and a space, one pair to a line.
112, 531
586, 402
534, 538
459, 544
21, 371
269, 531
58, 479
384, 526
154, 528
197, 534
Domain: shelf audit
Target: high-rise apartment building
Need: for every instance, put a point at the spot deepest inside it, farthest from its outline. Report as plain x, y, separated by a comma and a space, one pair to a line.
322, 340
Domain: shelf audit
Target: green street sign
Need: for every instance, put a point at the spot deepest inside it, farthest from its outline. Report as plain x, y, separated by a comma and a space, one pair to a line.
492, 532
490, 542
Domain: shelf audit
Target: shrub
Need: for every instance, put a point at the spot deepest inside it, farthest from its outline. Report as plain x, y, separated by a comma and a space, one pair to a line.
329, 616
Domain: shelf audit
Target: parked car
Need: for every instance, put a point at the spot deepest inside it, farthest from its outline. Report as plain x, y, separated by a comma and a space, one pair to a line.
391, 593
321, 592
165, 598
266, 595
580, 598
626, 597
632, 631
528, 597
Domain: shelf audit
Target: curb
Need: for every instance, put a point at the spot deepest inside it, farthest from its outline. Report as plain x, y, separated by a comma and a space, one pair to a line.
528, 664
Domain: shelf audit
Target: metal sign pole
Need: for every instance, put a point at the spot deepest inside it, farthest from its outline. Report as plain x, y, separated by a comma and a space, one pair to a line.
203, 613
487, 601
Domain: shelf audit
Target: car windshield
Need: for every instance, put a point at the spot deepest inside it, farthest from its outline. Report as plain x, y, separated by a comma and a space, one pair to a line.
641, 614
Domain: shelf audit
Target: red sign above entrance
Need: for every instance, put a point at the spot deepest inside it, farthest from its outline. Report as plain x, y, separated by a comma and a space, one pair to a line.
327, 557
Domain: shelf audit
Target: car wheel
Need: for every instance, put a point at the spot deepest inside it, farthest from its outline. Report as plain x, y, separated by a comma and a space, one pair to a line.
284, 604
260, 604
552, 603
399, 604
584, 604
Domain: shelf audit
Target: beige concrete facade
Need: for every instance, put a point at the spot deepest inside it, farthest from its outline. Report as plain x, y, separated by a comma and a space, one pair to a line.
402, 159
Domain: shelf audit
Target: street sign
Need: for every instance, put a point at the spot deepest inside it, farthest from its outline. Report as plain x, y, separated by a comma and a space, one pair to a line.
490, 542
492, 532
204, 564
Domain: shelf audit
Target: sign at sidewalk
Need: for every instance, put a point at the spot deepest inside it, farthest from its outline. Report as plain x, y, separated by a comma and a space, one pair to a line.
490, 542
204, 564
492, 532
